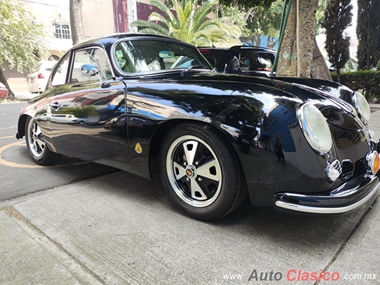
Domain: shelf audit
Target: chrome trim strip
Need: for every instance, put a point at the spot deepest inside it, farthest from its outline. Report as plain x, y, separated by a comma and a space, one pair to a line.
334, 210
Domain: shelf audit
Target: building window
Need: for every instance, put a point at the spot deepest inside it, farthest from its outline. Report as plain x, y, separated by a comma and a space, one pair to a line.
61, 31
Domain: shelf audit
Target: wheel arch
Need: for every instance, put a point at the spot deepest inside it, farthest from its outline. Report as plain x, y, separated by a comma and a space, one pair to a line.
165, 127
21, 126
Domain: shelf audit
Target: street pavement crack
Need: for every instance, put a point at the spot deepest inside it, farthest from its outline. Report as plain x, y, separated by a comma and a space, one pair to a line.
345, 242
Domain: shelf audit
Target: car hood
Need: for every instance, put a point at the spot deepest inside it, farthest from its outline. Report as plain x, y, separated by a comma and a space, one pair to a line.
325, 95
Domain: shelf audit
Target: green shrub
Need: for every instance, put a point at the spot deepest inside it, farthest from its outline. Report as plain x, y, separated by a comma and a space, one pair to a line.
367, 81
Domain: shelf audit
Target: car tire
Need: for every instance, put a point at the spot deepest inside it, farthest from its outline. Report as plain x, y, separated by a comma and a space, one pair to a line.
201, 172
36, 144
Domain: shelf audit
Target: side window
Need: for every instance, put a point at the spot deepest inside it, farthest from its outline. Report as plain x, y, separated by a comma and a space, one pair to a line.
93, 56
60, 72
265, 61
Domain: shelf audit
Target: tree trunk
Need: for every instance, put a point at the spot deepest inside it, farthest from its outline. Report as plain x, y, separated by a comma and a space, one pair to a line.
311, 62
319, 68
76, 21
3, 80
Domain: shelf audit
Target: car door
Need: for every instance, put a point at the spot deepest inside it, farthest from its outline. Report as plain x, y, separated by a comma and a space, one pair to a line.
82, 109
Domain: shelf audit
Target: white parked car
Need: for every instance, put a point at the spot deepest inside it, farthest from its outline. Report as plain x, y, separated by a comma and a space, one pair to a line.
38, 78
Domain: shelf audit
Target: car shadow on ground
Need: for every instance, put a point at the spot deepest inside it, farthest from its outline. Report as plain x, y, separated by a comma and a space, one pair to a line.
283, 229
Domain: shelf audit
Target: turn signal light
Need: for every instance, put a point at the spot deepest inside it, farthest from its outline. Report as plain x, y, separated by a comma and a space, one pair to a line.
373, 160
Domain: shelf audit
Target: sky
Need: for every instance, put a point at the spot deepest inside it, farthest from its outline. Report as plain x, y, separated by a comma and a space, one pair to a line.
351, 31
352, 28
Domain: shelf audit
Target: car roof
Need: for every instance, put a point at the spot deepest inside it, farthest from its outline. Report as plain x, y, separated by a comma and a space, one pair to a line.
107, 40
238, 47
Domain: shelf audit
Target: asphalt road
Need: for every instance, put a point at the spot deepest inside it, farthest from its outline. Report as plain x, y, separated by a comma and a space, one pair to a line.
85, 224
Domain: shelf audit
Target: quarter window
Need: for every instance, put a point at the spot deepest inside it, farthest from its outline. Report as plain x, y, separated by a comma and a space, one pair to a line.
60, 72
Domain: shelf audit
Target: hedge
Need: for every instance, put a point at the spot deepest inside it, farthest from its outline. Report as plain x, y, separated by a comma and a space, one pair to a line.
366, 80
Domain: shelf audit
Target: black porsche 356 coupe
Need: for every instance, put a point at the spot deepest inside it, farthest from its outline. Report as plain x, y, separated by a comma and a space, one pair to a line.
126, 100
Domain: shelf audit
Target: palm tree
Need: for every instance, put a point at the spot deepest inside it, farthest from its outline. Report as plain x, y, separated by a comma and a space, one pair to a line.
188, 22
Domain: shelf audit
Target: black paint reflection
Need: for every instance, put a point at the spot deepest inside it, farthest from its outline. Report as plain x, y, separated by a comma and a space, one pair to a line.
278, 150
78, 119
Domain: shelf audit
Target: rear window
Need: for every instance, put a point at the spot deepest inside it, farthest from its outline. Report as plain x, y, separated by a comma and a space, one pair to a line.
217, 58
37, 67
249, 60
48, 65
45, 65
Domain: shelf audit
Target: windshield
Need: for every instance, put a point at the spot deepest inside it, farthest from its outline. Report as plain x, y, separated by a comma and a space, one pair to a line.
151, 55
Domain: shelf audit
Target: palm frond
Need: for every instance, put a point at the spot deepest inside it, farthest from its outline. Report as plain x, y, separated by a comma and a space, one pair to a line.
189, 22
153, 27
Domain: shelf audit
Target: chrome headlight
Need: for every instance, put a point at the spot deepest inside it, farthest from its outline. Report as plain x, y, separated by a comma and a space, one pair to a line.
362, 107
314, 127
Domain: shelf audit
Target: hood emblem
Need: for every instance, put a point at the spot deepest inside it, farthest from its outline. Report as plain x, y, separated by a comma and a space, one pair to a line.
138, 148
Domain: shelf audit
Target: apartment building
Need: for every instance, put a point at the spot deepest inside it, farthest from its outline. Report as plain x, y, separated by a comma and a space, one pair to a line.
55, 17
99, 17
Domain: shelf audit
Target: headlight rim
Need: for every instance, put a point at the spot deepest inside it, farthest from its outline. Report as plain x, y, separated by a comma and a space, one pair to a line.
308, 134
363, 111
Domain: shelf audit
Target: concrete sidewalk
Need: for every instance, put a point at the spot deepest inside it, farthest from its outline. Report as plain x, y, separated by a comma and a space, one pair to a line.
375, 121
24, 96
99, 232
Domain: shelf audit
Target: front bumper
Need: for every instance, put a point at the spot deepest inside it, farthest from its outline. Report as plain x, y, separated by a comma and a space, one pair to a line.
346, 198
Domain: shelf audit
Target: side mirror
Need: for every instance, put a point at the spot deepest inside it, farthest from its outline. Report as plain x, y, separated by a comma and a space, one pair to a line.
89, 70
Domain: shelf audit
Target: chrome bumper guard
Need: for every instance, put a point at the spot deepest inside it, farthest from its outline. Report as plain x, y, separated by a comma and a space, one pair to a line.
371, 189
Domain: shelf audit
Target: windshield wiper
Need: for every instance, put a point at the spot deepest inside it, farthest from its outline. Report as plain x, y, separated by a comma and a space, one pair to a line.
197, 66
